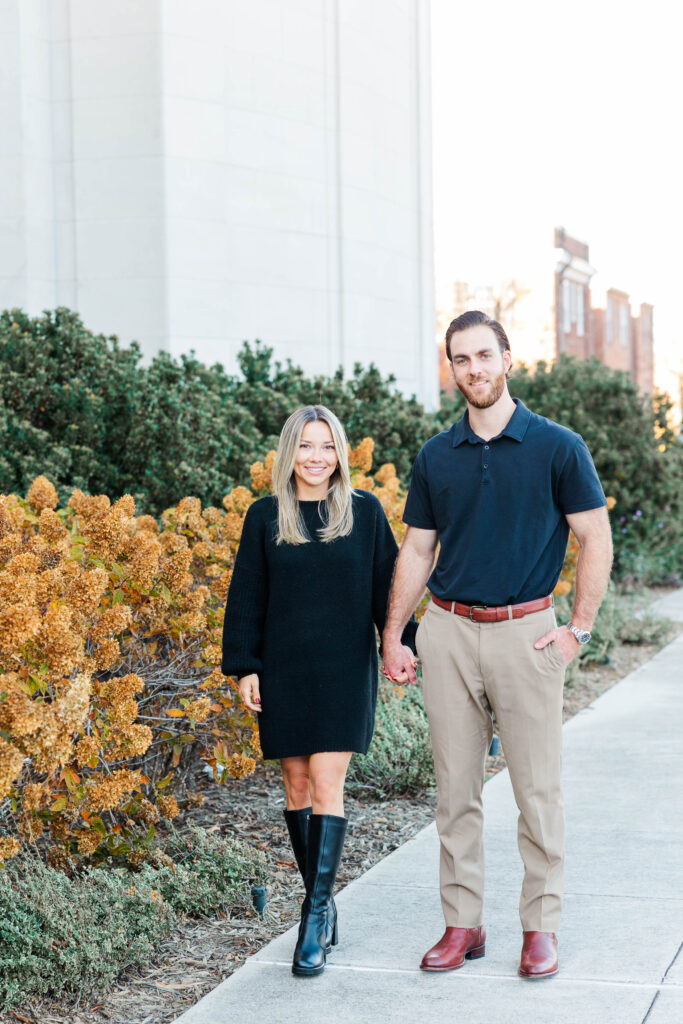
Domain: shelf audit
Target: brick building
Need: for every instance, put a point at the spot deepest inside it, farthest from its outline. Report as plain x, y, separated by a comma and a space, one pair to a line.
620, 339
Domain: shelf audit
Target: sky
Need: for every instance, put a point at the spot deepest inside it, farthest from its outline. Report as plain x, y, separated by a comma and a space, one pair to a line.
546, 115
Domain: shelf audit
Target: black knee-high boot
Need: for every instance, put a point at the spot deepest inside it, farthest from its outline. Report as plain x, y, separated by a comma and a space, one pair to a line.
323, 853
297, 826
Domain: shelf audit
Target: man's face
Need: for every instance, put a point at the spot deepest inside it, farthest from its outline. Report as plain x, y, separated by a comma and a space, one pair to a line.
479, 367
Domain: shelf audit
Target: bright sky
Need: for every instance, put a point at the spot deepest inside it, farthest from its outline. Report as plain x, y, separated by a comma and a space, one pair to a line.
548, 114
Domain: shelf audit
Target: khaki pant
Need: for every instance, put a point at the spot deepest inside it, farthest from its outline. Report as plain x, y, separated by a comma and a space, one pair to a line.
469, 670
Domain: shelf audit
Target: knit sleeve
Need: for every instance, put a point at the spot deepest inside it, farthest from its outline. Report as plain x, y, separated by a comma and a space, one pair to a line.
245, 609
384, 562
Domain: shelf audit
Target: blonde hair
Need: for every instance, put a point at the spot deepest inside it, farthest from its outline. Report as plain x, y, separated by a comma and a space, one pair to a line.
336, 511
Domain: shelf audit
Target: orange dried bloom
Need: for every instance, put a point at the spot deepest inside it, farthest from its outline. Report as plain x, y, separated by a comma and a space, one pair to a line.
238, 500
51, 527
361, 457
60, 641
35, 796
386, 473
19, 623
86, 749
121, 687
168, 806
59, 859
86, 590
143, 560
262, 475
133, 741
199, 709
26, 562
105, 532
17, 588
30, 828
201, 549
239, 765
49, 586
147, 812
125, 505
147, 524
19, 715
42, 494
9, 545
112, 621
108, 794
123, 713
212, 654
9, 847
174, 571
11, 763
172, 542
88, 840
107, 654
212, 515
362, 482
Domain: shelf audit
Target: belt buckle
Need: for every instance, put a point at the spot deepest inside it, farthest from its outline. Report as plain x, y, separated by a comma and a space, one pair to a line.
473, 607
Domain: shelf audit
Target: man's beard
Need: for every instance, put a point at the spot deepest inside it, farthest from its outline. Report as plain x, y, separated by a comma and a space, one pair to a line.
484, 401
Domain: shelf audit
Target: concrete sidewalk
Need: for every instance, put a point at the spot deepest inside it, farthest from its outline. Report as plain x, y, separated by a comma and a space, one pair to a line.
620, 944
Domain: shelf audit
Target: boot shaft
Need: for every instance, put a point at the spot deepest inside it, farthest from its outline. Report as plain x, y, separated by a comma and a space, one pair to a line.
326, 834
297, 826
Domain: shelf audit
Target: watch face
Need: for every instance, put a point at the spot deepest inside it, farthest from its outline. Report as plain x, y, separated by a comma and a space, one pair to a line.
582, 635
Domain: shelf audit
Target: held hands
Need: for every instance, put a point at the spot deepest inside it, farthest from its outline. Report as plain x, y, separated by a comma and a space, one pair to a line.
567, 643
399, 664
249, 692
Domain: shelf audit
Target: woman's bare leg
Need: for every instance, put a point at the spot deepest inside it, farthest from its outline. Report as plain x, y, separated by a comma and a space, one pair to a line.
295, 775
326, 777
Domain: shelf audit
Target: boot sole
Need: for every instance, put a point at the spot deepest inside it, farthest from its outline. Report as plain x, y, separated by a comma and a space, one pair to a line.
537, 977
308, 973
472, 954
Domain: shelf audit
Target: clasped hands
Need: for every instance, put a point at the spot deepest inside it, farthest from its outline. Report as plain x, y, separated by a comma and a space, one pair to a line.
399, 664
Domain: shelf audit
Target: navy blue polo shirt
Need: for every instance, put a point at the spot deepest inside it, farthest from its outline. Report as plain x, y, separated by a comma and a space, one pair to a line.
499, 506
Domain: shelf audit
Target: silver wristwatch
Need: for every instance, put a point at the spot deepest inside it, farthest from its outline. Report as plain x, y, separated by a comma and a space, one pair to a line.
582, 635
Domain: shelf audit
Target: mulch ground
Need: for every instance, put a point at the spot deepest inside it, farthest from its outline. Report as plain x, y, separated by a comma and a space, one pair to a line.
200, 954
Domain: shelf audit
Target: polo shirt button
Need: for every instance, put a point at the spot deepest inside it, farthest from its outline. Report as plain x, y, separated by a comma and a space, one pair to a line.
486, 447
486, 465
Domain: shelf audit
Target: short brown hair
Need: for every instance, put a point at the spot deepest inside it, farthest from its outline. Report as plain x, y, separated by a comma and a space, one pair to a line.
473, 318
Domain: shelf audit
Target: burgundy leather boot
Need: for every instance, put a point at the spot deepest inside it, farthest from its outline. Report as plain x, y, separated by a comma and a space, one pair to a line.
455, 946
539, 955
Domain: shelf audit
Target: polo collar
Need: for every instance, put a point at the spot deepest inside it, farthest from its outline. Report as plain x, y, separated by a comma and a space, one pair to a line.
516, 427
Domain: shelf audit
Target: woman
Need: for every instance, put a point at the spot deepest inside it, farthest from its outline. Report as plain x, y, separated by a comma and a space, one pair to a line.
311, 582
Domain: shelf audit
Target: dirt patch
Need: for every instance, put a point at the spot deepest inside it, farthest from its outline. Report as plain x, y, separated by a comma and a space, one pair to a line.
200, 954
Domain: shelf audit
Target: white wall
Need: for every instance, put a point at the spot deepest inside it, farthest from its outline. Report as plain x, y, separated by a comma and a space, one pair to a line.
193, 175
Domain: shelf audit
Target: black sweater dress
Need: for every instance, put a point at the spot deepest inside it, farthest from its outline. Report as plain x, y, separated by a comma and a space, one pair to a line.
303, 617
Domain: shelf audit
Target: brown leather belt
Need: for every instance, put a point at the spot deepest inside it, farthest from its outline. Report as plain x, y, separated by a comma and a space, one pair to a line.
481, 613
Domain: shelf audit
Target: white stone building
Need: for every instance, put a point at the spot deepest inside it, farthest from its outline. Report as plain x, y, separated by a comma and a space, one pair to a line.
193, 173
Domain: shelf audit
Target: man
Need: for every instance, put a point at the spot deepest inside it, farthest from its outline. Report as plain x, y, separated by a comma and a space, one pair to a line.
498, 492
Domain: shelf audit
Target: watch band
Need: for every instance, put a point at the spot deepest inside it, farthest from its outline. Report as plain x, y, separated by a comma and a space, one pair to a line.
582, 635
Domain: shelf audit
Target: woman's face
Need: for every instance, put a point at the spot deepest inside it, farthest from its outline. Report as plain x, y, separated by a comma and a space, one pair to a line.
316, 461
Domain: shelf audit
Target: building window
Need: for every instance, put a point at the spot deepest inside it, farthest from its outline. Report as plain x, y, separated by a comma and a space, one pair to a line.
624, 325
580, 314
608, 322
566, 309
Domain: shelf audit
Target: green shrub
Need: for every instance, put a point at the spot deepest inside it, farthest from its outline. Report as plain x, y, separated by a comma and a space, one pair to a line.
64, 936
209, 873
400, 760
61, 935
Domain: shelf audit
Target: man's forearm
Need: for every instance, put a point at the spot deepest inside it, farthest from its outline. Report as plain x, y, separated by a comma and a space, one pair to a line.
410, 580
592, 576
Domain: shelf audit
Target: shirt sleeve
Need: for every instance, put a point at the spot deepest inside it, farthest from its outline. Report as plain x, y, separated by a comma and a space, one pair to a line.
385, 555
418, 511
245, 608
578, 486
